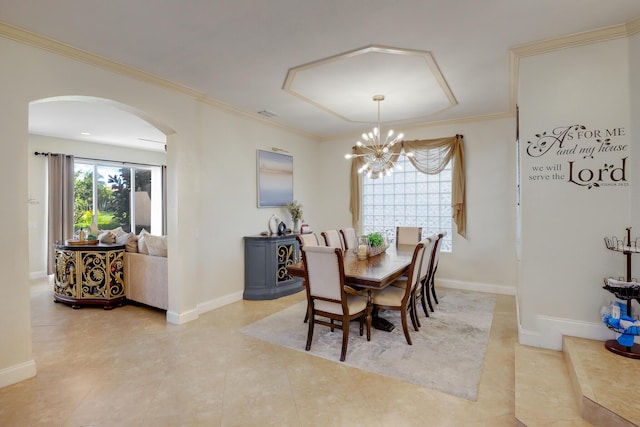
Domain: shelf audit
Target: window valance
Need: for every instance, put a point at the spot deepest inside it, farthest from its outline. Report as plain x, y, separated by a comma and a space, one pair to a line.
431, 156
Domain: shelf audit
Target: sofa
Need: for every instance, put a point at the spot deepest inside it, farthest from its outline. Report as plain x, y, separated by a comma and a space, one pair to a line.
145, 266
146, 279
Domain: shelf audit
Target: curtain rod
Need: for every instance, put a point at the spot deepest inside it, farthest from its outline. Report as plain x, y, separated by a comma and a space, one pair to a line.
96, 160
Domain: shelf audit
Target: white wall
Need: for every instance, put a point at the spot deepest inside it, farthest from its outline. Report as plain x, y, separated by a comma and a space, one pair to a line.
564, 220
486, 259
211, 191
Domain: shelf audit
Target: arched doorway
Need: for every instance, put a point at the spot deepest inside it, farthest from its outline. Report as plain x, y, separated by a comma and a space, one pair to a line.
90, 128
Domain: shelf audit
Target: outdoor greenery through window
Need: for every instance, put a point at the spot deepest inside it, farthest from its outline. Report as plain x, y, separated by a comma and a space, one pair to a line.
105, 190
408, 198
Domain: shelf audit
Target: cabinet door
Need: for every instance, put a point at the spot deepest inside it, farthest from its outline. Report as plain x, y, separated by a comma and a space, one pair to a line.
65, 275
286, 254
116, 274
94, 275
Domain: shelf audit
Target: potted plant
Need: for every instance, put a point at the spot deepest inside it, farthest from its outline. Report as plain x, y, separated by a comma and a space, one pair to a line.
295, 209
377, 244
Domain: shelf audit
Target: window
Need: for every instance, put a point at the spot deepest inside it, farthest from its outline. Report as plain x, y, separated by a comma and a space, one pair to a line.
408, 198
104, 190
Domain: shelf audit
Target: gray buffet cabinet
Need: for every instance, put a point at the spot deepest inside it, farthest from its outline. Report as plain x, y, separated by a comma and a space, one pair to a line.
265, 266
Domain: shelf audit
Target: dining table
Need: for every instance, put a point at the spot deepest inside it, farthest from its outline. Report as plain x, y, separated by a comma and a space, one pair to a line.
371, 274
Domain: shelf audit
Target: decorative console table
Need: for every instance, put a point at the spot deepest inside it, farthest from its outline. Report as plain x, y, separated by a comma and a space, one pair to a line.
89, 274
626, 290
265, 266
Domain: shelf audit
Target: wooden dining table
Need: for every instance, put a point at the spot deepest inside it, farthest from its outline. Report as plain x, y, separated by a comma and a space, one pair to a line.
374, 273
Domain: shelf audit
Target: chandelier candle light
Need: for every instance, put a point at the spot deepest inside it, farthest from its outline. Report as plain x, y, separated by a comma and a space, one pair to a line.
379, 160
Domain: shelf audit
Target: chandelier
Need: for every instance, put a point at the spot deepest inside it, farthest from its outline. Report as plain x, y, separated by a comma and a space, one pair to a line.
379, 159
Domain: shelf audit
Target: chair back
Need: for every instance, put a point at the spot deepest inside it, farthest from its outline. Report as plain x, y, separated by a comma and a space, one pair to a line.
437, 249
308, 239
349, 237
408, 235
324, 273
332, 239
426, 266
413, 276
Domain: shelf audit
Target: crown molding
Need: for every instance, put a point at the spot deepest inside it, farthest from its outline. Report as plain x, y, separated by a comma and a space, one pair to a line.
36, 40
633, 27
551, 45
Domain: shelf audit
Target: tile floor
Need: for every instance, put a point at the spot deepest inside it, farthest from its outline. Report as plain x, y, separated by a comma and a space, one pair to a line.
128, 367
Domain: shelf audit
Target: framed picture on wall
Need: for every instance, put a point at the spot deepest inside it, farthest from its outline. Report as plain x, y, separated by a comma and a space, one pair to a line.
275, 179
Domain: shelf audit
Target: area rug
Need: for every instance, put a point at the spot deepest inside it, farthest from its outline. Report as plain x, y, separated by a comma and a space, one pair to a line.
447, 352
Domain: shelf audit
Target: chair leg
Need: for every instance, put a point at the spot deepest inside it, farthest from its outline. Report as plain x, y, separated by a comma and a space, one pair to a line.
429, 300
310, 333
306, 315
433, 292
433, 285
405, 327
345, 338
414, 314
423, 301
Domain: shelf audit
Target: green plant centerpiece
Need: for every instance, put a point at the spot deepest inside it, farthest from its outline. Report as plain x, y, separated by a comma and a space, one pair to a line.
377, 244
376, 239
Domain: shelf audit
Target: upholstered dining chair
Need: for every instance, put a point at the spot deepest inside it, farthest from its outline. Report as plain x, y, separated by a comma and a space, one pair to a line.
399, 297
426, 269
332, 239
307, 239
431, 287
408, 235
349, 237
310, 239
327, 295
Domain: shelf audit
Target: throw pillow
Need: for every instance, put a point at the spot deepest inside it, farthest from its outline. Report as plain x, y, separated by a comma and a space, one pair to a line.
118, 231
142, 244
107, 237
130, 240
157, 245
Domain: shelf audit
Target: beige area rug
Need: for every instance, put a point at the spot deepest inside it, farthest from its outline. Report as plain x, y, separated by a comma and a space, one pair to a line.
447, 353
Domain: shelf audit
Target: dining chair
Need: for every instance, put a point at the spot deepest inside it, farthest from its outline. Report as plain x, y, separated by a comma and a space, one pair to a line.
349, 237
308, 239
408, 235
328, 296
434, 266
426, 268
399, 298
332, 239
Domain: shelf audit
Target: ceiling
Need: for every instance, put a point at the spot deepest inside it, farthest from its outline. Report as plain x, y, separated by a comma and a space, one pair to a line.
313, 65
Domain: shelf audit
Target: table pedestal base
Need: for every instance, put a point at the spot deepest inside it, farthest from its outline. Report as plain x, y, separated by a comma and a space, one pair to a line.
382, 324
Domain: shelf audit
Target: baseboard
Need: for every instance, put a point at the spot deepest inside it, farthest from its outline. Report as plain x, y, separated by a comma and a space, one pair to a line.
182, 318
201, 308
17, 373
476, 286
218, 302
35, 275
551, 330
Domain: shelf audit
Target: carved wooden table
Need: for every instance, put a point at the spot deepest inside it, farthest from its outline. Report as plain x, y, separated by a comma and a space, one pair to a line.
89, 275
